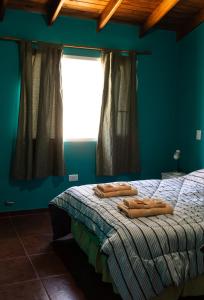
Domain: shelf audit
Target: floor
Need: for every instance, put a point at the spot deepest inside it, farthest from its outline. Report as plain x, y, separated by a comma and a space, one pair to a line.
34, 268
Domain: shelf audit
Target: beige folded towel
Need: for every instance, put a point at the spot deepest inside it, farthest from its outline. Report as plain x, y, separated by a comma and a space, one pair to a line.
144, 203
113, 187
138, 213
101, 194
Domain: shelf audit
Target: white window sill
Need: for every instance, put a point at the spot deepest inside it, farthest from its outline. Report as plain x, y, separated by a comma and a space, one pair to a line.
80, 140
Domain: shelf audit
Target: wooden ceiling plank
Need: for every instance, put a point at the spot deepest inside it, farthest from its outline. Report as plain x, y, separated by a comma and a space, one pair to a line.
3, 4
108, 12
158, 13
130, 11
190, 26
55, 11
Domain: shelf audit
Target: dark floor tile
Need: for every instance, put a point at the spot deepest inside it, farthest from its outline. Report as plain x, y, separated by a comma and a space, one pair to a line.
37, 243
6, 229
83, 273
62, 288
10, 248
32, 224
48, 264
16, 270
30, 290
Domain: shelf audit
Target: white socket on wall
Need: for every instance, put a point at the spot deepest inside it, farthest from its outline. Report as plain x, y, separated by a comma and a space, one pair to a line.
73, 177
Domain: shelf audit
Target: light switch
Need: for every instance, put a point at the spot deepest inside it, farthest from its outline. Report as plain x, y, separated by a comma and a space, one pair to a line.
198, 134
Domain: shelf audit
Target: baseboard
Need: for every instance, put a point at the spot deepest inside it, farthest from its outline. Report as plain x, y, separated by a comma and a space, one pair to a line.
23, 212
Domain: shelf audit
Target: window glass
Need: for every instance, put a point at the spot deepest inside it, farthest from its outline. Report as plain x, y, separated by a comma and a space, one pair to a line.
82, 82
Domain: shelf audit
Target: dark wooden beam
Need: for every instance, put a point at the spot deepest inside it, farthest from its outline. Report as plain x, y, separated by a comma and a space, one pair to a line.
3, 4
161, 10
191, 25
55, 10
108, 12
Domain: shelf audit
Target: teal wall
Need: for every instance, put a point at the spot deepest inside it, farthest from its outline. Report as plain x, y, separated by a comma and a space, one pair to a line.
157, 102
191, 99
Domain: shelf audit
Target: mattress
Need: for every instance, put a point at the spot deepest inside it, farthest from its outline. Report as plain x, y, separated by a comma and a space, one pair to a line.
145, 255
89, 243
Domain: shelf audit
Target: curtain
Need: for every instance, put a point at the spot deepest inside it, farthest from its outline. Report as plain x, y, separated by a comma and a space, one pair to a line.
39, 144
117, 148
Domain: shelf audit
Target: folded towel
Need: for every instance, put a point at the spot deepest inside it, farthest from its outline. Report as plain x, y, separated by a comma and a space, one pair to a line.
129, 192
113, 187
138, 213
143, 203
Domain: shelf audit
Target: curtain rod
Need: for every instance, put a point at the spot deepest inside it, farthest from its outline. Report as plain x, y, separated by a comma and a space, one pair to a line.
15, 39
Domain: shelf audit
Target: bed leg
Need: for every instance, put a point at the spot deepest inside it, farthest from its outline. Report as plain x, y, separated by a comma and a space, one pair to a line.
61, 222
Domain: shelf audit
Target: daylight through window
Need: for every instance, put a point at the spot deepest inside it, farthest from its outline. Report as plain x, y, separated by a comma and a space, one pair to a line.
82, 82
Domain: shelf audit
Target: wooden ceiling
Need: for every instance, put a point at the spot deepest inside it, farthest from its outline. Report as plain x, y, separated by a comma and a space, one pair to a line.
181, 16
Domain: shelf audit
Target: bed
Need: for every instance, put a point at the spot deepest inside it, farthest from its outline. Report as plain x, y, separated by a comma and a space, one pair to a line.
146, 258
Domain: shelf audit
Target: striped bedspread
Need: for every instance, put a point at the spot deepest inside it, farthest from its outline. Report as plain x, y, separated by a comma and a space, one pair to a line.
146, 255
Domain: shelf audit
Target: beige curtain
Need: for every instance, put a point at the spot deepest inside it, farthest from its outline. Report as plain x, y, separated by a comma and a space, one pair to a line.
117, 148
39, 145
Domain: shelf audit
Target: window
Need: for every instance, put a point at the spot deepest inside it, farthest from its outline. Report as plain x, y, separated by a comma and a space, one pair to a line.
82, 82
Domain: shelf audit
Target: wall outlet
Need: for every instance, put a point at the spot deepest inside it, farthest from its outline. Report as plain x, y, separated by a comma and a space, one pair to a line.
9, 202
73, 177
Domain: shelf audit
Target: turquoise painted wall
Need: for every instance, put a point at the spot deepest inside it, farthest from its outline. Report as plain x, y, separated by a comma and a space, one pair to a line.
191, 99
157, 102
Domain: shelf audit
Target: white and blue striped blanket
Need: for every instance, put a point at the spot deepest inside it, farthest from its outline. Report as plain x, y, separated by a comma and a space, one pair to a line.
146, 255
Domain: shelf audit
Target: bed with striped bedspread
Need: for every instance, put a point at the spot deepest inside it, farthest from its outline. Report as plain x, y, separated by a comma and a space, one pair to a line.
146, 255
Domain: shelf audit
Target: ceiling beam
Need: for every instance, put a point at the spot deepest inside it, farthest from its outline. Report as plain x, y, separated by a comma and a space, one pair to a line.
107, 13
55, 10
191, 25
158, 13
3, 4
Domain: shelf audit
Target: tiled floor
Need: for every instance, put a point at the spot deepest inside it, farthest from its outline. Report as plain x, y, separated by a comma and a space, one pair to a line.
33, 268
